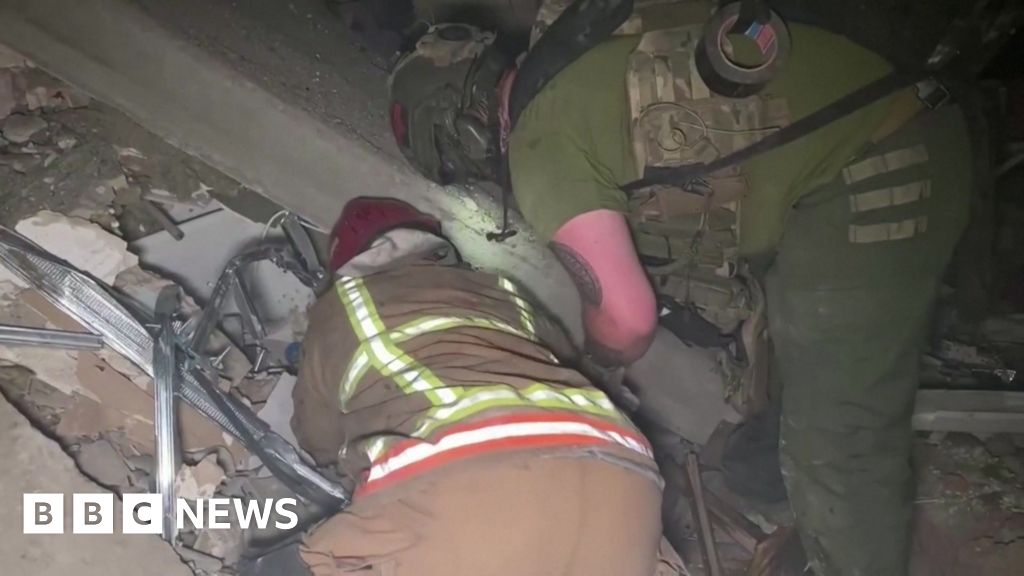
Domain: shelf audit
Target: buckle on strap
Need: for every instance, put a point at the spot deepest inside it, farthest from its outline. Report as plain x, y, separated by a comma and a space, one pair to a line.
932, 93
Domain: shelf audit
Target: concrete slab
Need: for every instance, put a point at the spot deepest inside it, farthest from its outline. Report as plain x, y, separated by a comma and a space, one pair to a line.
239, 104
32, 463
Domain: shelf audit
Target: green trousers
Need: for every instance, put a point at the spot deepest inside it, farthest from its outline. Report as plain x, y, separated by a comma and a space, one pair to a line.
850, 295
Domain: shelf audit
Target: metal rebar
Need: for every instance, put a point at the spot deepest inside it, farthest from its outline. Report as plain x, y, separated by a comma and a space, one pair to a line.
165, 377
22, 336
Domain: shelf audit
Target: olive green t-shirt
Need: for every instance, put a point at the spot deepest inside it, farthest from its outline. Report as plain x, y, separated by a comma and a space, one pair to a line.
571, 150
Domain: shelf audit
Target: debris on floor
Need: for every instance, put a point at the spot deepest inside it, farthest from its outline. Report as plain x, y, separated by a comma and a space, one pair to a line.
100, 405
61, 151
33, 463
969, 509
87, 185
81, 243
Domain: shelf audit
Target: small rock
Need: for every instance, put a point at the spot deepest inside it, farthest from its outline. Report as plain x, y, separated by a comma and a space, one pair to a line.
199, 481
226, 544
66, 142
202, 194
134, 162
100, 461
142, 462
19, 128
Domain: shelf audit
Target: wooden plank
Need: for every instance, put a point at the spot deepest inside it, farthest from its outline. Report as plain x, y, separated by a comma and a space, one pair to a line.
712, 565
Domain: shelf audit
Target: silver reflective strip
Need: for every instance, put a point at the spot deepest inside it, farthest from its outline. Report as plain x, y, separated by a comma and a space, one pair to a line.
894, 196
868, 233
537, 395
883, 163
525, 310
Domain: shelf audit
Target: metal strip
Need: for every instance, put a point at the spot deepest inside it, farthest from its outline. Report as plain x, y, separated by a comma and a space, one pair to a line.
165, 377
43, 337
85, 300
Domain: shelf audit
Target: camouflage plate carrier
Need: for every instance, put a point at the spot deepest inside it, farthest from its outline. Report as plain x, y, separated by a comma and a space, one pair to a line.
689, 238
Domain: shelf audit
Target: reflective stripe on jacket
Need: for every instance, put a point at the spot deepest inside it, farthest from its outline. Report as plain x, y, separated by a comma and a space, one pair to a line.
466, 420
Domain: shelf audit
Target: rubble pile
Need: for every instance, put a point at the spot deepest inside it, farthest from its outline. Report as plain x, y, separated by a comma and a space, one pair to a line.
99, 406
969, 510
84, 183
28, 142
62, 151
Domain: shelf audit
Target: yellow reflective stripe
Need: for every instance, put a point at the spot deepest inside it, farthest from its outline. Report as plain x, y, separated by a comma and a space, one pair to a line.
525, 310
375, 449
437, 323
537, 395
356, 370
361, 359
387, 358
362, 313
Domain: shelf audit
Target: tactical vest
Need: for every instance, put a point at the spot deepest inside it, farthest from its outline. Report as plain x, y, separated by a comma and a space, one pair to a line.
688, 239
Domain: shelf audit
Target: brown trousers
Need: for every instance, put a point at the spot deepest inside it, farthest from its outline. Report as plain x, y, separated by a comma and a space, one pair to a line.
524, 515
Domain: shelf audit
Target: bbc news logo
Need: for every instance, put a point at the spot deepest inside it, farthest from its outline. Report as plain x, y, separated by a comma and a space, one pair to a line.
142, 513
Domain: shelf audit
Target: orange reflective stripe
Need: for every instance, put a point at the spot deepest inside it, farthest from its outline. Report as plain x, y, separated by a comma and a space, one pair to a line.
508, 432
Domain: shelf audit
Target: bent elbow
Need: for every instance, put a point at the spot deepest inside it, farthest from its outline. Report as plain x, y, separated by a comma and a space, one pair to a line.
621, 329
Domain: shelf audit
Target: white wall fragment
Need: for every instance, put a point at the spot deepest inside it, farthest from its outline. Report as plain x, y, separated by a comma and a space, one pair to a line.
82, 243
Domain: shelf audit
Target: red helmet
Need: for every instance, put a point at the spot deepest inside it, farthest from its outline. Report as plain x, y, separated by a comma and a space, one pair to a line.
365, 219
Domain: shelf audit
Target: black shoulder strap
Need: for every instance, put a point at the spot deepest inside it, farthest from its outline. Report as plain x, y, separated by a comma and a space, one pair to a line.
583, 25
868, 94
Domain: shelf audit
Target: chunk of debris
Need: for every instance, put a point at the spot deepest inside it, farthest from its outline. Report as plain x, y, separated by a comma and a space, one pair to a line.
66, 142
202, 194
19, 128
134, 162
226, 544
104, 464
199, 481
43, 91
102, 393
82, 243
